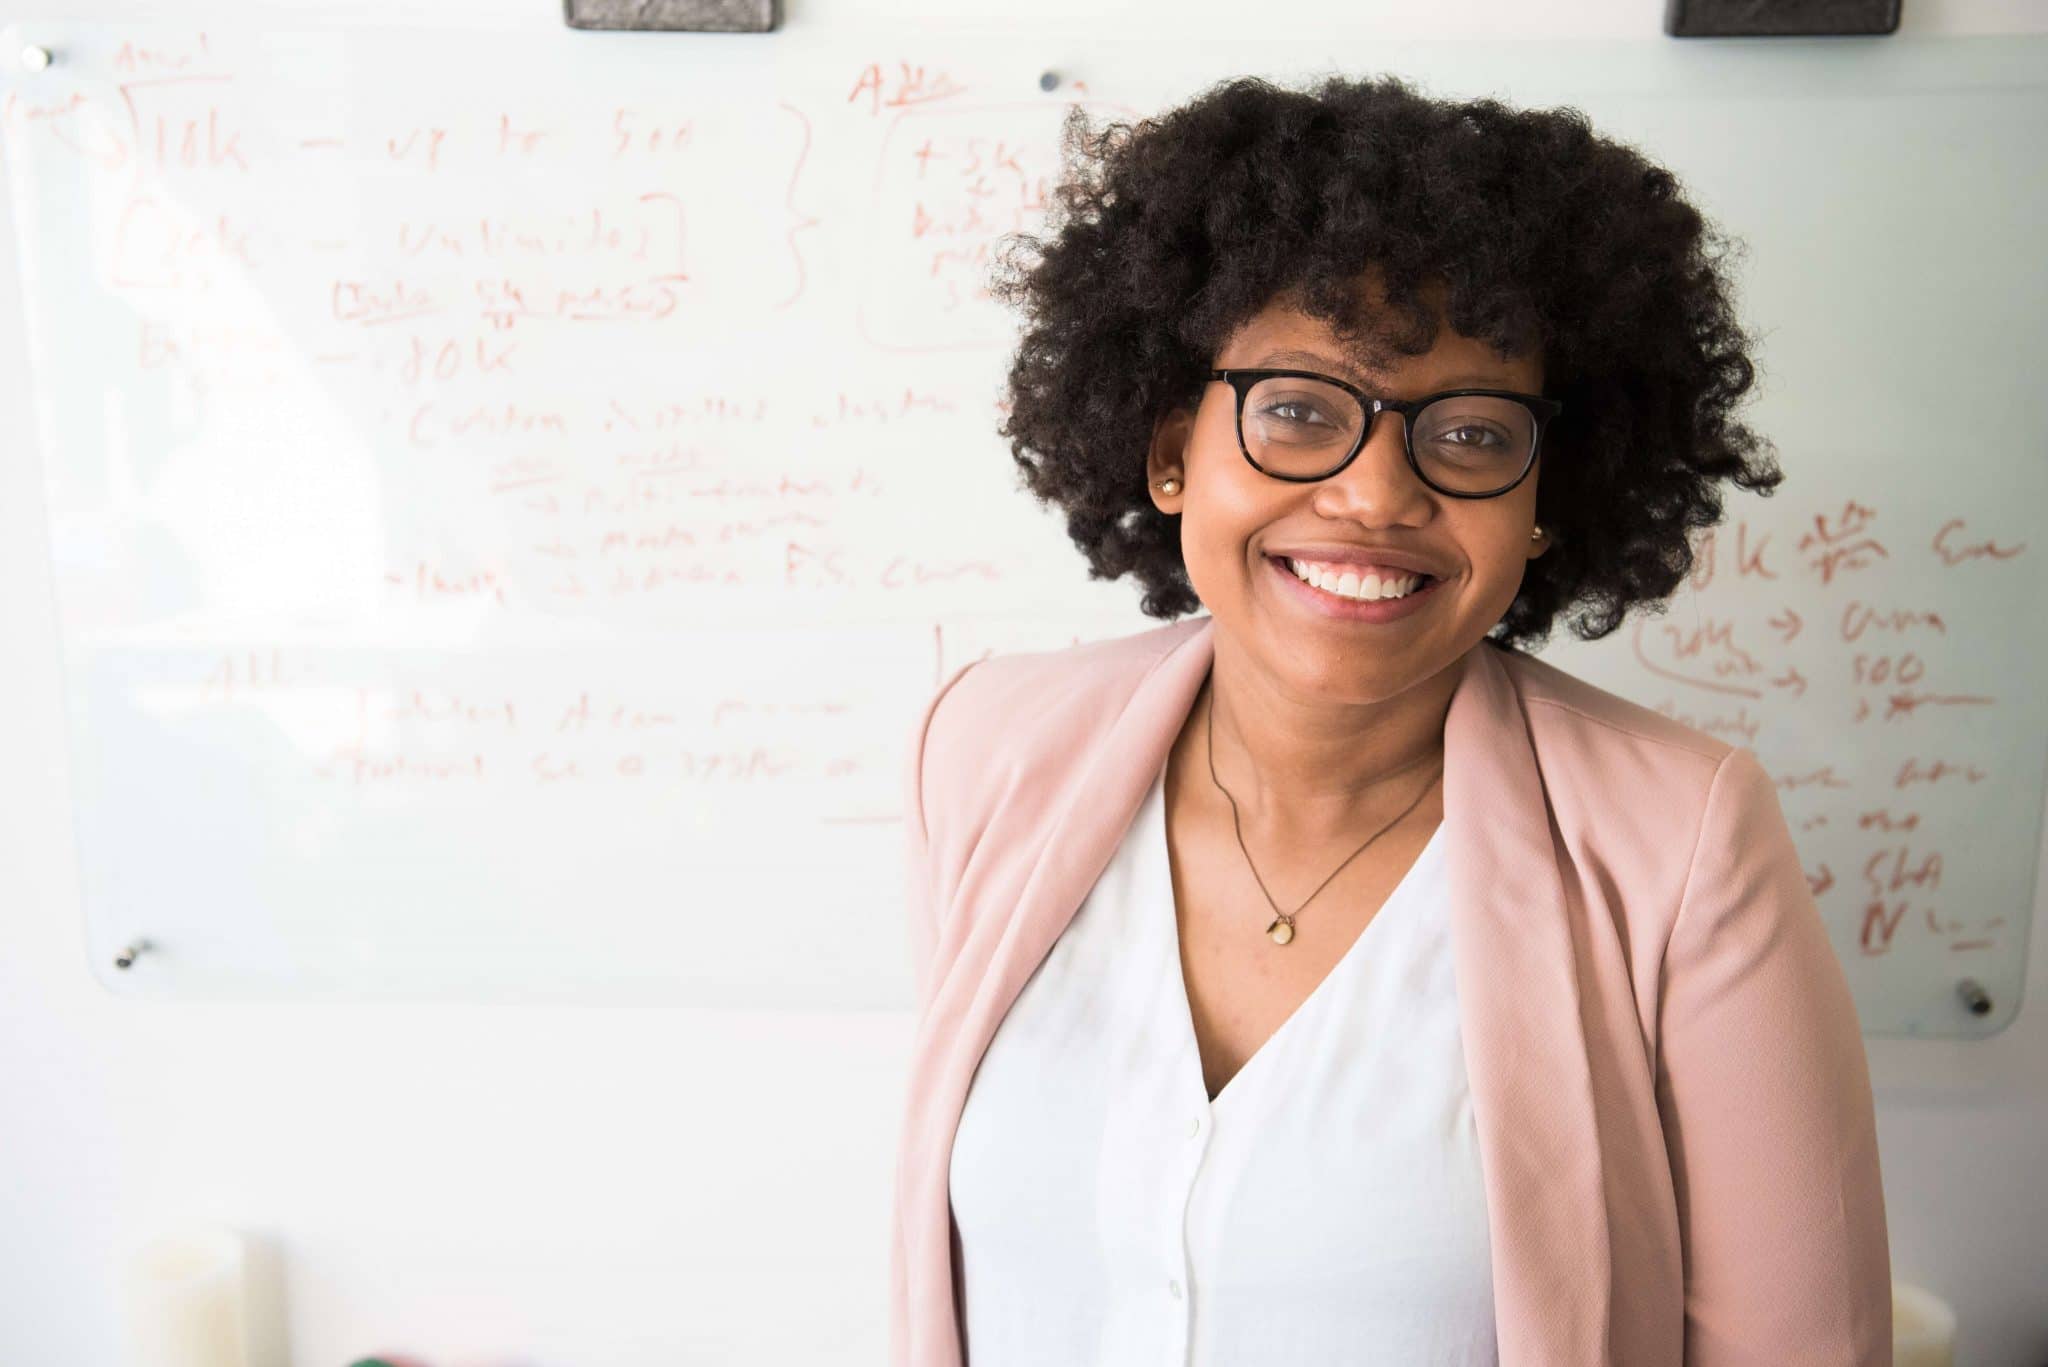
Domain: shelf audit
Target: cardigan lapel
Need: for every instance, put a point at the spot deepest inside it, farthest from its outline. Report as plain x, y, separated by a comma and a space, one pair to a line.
1518, 997
1101, 797
1525, 1043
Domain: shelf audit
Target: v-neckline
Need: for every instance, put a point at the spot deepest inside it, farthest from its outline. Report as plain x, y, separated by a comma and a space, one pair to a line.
1351, 951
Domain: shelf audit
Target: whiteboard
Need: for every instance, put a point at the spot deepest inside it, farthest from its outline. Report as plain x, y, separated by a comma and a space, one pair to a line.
509, 493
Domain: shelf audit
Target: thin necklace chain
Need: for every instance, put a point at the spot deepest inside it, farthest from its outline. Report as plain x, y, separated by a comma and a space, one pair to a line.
1282, 929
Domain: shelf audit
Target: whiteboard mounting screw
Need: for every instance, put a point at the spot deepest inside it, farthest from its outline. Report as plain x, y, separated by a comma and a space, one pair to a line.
1049, 80
35, 58
1974, 996
128, 955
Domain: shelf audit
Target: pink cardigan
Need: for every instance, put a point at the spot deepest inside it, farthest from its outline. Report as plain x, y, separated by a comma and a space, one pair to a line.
1668, 1079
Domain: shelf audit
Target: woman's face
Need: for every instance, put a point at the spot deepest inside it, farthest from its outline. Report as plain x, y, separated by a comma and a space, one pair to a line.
1238, 524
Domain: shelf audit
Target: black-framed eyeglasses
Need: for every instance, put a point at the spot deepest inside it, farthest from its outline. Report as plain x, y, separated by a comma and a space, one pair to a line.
1302, 426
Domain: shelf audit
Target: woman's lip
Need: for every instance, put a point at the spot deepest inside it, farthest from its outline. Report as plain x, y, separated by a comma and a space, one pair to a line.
1348, 609
1358, 562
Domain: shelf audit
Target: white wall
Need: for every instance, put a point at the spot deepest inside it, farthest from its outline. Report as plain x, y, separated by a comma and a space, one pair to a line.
591, 1187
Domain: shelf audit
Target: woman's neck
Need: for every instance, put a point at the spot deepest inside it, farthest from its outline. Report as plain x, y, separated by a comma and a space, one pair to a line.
1311, 767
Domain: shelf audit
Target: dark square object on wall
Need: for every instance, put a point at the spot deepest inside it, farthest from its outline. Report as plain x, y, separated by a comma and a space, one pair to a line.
675, 16
1779, 18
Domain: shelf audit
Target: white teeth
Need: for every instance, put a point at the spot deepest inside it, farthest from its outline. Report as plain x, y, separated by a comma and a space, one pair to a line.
1347, 583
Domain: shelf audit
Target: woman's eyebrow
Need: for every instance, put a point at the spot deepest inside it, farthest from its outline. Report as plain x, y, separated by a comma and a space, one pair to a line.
1313, 360
1332, 365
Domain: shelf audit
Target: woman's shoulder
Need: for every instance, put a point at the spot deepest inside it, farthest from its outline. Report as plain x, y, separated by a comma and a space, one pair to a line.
1573, 709
1616, 757
1648, 799
1022, 688
1014, 719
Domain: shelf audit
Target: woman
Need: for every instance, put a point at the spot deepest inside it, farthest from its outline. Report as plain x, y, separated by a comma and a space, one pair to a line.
1323, 979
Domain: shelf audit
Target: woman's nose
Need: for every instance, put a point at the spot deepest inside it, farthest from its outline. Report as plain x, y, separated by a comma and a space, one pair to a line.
1378, 486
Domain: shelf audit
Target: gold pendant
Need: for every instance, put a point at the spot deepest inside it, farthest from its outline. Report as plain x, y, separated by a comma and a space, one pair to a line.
1281, 931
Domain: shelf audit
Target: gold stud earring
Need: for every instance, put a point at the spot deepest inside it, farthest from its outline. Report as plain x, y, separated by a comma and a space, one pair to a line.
1168, 486
1535, 533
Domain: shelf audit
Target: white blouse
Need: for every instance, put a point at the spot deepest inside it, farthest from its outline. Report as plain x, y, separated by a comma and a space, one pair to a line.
1325, 1209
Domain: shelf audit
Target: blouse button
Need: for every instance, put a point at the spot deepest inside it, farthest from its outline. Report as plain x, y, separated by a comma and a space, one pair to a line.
1194, 1125
1174, 1287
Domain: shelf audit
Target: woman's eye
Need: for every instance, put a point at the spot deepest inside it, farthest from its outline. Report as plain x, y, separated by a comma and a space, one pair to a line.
1455, 430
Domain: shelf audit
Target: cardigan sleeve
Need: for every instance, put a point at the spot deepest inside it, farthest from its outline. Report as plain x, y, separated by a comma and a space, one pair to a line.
920, 892
1765, 1099
919, 885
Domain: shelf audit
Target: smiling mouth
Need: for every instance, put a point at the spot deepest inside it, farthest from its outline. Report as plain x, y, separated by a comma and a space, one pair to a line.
1417, 591
1355, 587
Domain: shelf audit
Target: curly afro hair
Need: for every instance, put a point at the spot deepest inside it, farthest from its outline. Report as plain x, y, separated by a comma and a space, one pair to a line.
1165, 236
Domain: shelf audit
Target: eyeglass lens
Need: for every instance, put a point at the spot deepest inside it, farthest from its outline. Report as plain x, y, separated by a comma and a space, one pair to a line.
1469, 443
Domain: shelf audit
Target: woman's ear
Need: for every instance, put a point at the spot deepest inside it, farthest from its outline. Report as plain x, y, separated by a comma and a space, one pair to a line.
1166, 460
